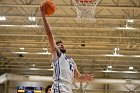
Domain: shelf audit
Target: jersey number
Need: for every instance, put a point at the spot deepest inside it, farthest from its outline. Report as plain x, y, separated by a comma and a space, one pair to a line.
71, 65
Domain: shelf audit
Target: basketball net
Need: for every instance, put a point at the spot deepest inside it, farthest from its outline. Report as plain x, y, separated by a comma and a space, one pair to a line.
85, 10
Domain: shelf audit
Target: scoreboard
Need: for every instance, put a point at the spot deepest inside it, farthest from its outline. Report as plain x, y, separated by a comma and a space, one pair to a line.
38, 90
23, 89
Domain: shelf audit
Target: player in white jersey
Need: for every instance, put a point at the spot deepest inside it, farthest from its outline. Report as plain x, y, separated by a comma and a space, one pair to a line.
63, 74
64, 67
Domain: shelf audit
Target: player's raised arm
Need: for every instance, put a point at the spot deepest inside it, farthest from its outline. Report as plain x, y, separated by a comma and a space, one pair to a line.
48, 31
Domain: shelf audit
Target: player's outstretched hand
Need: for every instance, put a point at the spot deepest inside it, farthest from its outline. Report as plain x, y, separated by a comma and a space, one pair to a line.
89, 77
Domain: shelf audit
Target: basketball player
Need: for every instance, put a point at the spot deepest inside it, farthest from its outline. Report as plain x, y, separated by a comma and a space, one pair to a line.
64, 68
48, 89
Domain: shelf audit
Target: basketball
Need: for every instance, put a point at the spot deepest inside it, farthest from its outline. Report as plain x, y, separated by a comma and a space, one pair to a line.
49, 7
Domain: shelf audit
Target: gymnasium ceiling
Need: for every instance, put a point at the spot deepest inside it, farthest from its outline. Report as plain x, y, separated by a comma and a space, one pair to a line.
91, 45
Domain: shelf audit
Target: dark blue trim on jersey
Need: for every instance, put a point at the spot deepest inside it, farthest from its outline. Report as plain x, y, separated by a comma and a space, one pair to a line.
54, 90
58, 88
57, 58
58, 70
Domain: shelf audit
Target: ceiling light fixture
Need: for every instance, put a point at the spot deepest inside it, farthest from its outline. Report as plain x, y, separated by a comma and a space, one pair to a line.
36, 26
114, 55
43, 53
31, 18
130, 20
125, 28
50, 69
116, 48
45, 49
116, 51
20, 52
33, 69
109, 67
33, 65
39, 69
109, 71
22, 48
131, 68
2, 18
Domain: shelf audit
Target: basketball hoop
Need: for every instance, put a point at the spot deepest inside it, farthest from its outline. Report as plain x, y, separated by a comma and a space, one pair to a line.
85, 10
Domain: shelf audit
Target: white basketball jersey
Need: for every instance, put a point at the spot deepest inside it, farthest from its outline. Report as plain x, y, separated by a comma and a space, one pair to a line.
63, 74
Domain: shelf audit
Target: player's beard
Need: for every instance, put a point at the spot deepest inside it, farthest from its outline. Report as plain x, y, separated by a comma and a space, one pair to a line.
63, 50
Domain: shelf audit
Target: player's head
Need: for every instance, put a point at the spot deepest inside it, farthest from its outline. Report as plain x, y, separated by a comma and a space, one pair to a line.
61, 46
48, 89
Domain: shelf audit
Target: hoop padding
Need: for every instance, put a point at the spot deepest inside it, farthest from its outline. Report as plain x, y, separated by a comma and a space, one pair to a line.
85, 10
